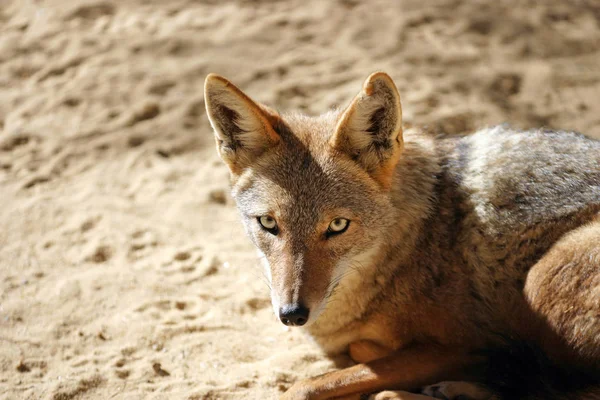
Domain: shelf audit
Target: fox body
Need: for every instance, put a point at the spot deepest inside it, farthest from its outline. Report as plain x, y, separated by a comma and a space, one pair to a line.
427, 258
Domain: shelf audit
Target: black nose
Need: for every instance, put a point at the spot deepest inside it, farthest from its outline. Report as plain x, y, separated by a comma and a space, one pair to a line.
293, 314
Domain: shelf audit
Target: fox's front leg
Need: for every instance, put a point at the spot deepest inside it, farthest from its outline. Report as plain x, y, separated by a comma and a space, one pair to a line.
406, 369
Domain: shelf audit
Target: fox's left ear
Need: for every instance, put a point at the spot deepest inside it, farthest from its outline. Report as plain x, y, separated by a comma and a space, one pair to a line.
370, 130
243, 128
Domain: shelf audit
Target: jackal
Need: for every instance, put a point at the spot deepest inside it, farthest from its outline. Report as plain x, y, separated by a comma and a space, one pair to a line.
427, 258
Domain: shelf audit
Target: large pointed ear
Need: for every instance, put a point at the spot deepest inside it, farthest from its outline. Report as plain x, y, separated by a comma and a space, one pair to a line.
370, 129
243, 129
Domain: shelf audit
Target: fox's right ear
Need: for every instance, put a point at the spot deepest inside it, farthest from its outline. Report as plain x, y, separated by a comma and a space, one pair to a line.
243, 129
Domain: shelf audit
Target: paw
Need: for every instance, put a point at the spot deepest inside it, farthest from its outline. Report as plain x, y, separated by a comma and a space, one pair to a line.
398, 395
387, 395
457, 391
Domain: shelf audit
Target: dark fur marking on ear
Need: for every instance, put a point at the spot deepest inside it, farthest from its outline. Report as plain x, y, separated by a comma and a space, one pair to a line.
306, 161
282, 129
228, 119
377, 119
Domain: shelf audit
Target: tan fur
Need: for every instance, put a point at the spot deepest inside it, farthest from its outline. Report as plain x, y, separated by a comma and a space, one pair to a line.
564, 287
255, 122
456, 246
379, 92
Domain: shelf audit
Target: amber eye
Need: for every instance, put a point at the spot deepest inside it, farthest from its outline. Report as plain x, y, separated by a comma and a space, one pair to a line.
337, 226
268, 223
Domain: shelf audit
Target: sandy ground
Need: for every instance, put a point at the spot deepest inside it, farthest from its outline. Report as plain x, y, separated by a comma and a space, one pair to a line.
124, 271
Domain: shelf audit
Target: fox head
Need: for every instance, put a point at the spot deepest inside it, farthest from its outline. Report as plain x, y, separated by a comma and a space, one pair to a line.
313, 192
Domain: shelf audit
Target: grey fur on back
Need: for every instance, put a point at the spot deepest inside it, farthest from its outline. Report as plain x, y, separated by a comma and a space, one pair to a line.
518, 179
504, 197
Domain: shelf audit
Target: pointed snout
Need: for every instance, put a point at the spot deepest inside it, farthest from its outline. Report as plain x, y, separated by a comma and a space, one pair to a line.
294, 314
